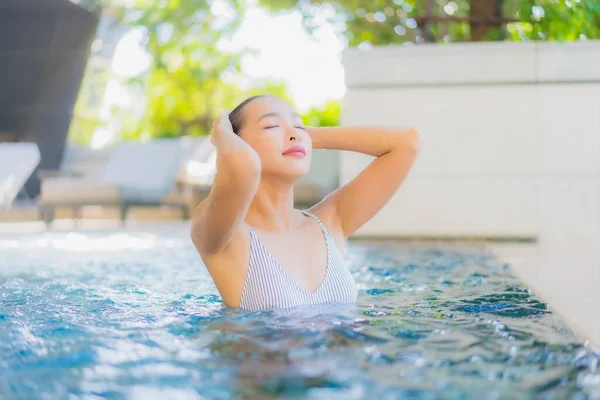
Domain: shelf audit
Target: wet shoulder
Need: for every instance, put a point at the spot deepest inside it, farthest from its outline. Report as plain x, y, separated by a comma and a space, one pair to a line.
330, 219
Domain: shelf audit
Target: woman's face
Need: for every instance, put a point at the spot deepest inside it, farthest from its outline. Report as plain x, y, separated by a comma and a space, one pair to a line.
276, 132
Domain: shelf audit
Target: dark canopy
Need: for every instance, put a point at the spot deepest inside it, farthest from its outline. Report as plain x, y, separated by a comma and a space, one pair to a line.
44, 46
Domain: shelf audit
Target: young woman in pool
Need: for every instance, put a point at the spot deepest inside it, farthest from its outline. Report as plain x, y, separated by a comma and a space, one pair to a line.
261, 252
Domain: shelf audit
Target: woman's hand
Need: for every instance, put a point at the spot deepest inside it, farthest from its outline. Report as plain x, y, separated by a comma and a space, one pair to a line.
221, 127
227, 142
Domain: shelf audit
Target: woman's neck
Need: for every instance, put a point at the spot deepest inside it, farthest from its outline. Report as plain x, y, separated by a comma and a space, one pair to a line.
272, 208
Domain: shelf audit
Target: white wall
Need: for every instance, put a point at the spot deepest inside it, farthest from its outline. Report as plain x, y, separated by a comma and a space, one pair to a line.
511, 148
505, 127
324, 170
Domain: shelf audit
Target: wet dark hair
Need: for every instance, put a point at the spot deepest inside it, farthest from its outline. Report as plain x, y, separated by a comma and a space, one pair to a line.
236, 117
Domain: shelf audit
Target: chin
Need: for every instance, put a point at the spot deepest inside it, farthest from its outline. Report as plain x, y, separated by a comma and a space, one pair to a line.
296, 173
296, 167
288, 169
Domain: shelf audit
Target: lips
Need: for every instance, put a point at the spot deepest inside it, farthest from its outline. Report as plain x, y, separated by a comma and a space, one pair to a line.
295, 151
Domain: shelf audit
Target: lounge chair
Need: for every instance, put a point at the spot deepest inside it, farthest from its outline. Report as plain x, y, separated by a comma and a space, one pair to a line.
196, 172
136, 174
198, 164
17, 163
79, 161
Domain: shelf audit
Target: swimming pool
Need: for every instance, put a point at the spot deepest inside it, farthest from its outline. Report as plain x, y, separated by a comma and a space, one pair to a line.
134, 315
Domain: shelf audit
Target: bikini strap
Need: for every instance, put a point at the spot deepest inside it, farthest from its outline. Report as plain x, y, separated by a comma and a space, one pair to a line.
313, 216
253, 236
328, 238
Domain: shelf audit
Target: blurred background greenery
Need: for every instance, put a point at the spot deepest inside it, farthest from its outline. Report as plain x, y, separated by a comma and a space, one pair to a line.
193, 72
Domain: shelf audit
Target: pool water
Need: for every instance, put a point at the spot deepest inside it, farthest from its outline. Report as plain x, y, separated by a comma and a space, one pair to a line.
134, 315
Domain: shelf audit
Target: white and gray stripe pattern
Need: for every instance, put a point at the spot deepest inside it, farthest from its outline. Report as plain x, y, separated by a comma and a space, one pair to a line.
269, 286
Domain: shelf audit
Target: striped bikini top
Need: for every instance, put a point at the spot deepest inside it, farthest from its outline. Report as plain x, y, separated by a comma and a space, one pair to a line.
269, 286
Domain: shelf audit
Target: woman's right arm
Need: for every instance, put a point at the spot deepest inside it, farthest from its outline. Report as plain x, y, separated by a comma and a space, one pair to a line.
219, 216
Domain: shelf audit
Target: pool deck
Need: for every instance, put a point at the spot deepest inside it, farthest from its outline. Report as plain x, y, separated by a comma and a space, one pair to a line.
568, 279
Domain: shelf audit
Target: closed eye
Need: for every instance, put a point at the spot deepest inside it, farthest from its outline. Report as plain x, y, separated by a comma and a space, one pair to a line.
277, 126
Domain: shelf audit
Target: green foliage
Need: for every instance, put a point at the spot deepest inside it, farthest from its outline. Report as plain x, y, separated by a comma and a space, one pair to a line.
267, 88
376, 22
560, 20
184, 87
86, 118
82, 128
382, 22
326, 115
190, 78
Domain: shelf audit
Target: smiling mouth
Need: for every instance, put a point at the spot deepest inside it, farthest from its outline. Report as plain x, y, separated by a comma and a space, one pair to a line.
295, 153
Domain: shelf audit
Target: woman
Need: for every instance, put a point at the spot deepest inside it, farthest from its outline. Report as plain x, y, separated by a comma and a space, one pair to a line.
261, 252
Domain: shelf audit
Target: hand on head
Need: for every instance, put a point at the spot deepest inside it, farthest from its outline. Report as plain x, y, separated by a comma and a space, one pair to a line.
221, 127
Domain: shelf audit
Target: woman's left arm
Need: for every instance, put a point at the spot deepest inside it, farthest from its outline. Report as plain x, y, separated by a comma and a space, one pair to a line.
360, 199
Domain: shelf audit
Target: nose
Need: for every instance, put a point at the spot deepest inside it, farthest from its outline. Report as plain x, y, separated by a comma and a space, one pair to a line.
292, 134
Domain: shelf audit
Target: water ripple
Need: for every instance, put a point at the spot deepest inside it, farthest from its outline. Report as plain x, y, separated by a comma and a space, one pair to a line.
146, 322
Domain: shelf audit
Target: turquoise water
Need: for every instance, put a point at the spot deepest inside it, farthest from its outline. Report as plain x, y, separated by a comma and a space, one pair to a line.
134, 315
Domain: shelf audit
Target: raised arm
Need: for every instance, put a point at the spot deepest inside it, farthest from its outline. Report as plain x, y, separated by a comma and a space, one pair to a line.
218, 217
360, 199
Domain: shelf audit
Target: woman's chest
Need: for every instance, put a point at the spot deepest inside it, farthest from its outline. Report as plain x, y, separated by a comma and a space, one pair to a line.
304, 256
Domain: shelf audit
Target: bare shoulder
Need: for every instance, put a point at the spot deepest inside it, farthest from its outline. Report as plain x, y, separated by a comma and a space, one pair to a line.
326, 211
227, 268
